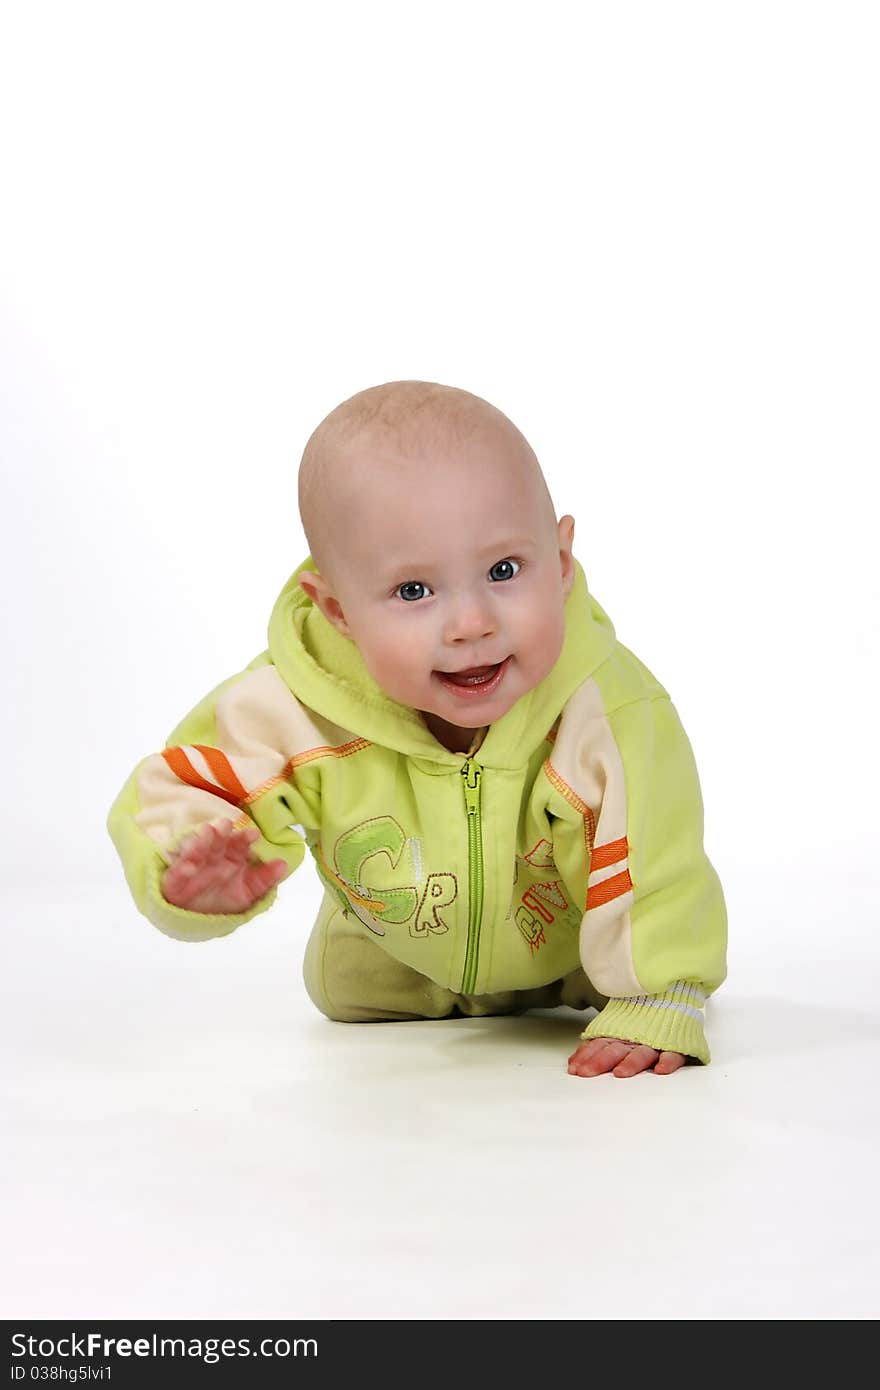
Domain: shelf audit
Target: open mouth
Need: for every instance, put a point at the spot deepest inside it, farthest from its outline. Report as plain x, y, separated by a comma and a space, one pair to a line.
476, 681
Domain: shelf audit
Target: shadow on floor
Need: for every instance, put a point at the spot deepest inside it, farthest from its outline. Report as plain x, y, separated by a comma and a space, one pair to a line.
738, 1028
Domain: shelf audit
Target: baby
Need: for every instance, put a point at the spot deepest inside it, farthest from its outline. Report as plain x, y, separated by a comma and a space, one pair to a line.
499, 797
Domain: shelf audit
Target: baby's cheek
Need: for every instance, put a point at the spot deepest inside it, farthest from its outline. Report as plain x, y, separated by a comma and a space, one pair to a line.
547, 641
392, 663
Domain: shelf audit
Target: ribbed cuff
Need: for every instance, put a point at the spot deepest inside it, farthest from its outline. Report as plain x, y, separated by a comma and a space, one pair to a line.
670, 1022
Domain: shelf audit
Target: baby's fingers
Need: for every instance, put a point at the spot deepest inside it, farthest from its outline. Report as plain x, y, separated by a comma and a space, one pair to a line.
259, 878
214, 842
206, 844
192, 848
597, 1056
669, 1062
637, 1060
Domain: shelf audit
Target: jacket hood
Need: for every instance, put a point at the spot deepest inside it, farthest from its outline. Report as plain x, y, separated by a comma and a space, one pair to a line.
326, 671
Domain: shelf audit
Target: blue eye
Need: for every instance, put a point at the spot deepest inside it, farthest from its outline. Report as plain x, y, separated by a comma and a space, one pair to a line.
414, 589
502, 564
411, 584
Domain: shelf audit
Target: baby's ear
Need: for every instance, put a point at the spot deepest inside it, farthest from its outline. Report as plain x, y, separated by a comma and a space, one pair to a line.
317, 589
309, 585
566, 559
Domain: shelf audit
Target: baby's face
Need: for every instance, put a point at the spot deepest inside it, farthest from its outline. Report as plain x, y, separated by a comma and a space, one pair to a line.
451, 566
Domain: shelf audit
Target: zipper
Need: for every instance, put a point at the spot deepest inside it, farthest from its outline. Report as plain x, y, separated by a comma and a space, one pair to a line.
471, 772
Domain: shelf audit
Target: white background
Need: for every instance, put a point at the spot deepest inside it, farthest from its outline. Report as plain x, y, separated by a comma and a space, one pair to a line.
648, 233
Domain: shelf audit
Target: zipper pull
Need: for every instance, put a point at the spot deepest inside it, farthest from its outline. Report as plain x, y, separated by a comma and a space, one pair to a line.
469, 770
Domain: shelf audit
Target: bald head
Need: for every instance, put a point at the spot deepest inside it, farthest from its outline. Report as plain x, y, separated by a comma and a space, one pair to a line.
362, 443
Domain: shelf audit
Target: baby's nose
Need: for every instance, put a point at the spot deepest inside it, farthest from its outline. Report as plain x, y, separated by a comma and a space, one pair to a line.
469, 620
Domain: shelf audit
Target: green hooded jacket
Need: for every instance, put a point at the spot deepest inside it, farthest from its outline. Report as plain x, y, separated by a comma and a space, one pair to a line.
570, 833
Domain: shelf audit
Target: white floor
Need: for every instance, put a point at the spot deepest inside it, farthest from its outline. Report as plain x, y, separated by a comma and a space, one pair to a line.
188, 1138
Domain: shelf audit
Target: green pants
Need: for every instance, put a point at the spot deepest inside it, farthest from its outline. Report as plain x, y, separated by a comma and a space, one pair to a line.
352, 980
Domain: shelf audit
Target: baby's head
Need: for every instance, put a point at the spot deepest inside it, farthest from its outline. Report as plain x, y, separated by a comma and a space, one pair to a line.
437, 550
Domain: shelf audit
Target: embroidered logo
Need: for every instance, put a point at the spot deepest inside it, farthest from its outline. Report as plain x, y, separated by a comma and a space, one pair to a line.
539, 905
379, 868
440, 891
531, 928
541, 855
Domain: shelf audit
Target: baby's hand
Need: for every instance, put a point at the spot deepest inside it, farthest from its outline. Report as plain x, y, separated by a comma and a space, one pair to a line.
599, 1055
214, 872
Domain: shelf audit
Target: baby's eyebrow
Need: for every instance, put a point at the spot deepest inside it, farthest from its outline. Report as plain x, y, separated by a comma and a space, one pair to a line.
500, 551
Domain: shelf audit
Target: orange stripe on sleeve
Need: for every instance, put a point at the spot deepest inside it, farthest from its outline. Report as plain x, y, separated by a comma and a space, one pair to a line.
604, 855
222, 770
608, 889
183, 769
